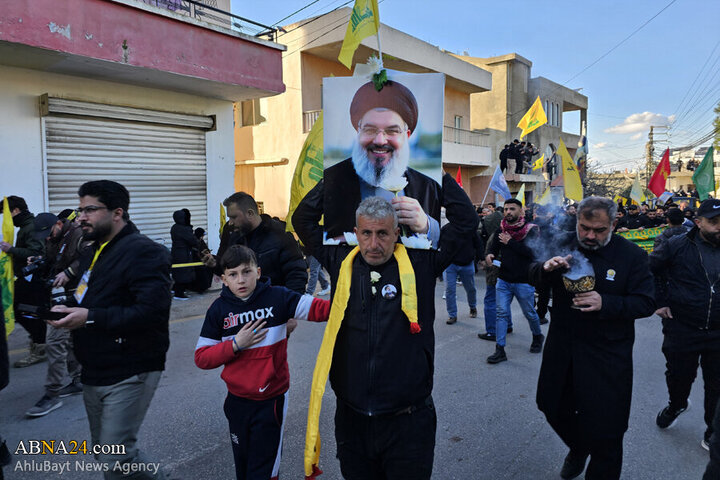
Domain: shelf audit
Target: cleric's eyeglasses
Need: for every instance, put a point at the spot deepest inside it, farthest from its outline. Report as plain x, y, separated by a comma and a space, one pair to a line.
390, 132
89, 209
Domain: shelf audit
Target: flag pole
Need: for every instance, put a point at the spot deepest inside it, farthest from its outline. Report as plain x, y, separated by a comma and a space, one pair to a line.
485, 196
379, 48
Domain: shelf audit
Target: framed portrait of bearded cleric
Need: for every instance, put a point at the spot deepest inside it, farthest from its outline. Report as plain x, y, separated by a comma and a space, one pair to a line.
385, 143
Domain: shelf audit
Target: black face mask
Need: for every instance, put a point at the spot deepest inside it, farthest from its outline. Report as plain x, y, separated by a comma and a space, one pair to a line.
20, 218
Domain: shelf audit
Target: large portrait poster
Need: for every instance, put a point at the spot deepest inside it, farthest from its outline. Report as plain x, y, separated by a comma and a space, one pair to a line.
384, 143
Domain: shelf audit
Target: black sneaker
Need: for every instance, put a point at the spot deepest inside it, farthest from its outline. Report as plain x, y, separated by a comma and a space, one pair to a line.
668, 416
180, 296
473, 313
537, 343
487, 336
44, 406
706, 441
509, 330
573, 465
73, 389
544, 321
451, 320
498, 356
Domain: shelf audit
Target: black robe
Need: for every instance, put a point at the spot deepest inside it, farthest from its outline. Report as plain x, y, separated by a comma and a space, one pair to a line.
588, 356
342, 196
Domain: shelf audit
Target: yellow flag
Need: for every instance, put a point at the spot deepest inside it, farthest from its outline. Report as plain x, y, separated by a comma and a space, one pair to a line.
539, 163
545, 198
534, 118
521, 194
636, 192
7, 279
364, 21
309, 169
618, 198
223, 219
571, 177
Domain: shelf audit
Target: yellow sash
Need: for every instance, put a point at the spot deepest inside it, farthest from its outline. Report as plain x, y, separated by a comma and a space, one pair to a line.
324, 358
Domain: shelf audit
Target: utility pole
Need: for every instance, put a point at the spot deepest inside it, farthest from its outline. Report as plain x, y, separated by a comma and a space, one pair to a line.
649, 152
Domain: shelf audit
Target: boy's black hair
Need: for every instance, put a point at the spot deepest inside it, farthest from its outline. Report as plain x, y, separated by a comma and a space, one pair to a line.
513, 201
243, 200
237, 255
109, 193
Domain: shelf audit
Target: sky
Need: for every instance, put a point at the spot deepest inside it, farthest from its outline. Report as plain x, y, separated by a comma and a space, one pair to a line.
666, 74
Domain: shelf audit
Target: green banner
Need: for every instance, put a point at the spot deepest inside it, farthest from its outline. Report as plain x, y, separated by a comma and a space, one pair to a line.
644, 238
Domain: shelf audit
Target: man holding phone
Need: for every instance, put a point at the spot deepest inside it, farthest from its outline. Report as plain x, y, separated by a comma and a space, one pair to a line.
120, 328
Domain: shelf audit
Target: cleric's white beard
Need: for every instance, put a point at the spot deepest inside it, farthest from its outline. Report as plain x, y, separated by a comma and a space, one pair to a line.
393, 170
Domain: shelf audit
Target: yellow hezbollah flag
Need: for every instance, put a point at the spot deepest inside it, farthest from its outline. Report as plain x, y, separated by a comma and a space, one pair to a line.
636, 192
364, 21
521, 194
223, 219
544, 198
7, 281
571, 177
309, 169
534, 118
539, 163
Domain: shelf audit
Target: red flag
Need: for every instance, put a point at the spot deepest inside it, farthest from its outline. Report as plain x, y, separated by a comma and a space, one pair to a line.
662, 172
458, 177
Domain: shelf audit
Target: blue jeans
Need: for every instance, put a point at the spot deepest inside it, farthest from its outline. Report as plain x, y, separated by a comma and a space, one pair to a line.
525, 295
467, 276
490, 309
316, 272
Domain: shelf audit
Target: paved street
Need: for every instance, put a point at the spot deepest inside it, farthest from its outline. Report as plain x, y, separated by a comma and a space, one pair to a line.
488, 424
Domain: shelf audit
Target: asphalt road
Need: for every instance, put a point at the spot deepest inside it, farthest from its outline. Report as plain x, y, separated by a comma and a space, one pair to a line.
488, 424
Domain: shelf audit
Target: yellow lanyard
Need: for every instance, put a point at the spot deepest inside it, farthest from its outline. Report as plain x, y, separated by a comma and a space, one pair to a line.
97, 254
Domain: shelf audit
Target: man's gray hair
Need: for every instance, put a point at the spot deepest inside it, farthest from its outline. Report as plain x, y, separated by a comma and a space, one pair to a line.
589, 205
376, 208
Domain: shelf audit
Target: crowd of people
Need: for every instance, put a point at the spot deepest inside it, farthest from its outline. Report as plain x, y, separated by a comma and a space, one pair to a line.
517, 157
94, 295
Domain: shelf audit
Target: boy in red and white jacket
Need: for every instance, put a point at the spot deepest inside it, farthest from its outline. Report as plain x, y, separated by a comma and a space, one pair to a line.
245, 330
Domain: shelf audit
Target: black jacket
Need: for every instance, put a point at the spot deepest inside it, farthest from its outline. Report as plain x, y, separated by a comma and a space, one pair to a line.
588, 355
632, 222
515, 257
128, 299
685, 280
278, 254
183, 241
669, 232
379, 367
26, 245
342, 194
472, 250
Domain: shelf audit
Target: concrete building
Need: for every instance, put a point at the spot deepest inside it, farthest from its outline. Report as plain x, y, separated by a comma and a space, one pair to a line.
497, 112
130, 91
270, 133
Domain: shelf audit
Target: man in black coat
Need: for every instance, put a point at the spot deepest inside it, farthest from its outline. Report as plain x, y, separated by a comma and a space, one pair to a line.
382, 373
278, 254
585, 383
32, 293
633, 220
384, 121
687, 269
183, 242
120, 328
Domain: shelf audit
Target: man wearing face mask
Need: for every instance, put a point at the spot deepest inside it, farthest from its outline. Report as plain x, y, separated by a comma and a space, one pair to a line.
585, 383
687, 271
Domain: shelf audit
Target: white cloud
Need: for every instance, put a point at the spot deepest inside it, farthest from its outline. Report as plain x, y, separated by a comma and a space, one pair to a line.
640, 122
599, 145
637, 136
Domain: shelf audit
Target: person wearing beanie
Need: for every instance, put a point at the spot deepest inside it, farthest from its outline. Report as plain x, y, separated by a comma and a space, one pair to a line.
384, 121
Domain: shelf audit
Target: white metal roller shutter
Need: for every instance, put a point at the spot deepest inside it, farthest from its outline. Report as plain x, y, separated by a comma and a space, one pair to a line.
163, 167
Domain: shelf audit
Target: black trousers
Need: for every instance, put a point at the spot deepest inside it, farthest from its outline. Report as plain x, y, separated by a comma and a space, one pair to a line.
31, 293
680, 373
256, 435
605, 453
712, 472
386, 447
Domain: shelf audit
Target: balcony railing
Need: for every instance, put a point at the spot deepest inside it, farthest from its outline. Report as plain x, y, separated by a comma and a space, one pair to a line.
465, 137
206, 10
309, 119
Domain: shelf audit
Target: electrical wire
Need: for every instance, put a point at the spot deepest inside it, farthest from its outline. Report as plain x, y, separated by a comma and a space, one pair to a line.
295, 12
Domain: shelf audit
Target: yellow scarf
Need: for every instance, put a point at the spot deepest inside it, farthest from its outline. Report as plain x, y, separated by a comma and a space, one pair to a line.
324, 358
